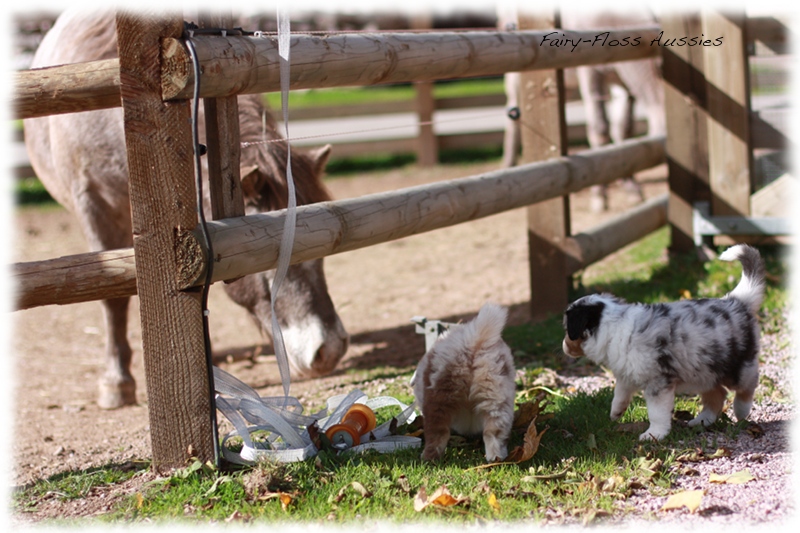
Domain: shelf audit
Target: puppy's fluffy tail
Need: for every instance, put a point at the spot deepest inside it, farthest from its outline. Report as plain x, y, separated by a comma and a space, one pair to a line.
488, 325
750, 289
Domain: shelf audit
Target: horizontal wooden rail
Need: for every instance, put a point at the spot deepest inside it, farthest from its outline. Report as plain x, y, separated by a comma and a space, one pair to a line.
75, 278
601, 241
250, 244
66, 89
237, 65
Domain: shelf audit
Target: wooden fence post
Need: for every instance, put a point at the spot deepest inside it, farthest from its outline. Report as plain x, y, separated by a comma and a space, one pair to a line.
687, 138
730, 155
163, 205
543, 136
224, 148
425, 105
427, 144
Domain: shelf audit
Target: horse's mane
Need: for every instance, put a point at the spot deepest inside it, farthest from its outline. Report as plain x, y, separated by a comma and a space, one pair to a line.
256, 123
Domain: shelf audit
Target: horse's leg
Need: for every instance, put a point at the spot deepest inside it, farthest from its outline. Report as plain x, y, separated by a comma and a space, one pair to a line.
594, 93
117, 386
644, 82
622, 124
106, 228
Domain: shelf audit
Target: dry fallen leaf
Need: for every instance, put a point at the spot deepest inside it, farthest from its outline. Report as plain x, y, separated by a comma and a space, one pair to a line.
530, 444
420, 500
632, 427
286, 500
737, 478
721, 452
612, 484
689, 498
493, 503
355, 485
441, 497
527, 412
756, 431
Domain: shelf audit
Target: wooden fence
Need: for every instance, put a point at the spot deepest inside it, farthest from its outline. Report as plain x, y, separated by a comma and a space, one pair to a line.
162, 184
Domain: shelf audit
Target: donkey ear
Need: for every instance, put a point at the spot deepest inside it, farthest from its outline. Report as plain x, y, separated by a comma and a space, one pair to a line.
319, 157
249, 174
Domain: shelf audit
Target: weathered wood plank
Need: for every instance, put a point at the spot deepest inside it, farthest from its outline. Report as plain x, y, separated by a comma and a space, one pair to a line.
687, 138
592, 245
334, 227
161, 182
250, 64
728, 104
542, 126
222, 140
240, 65
427, 148
75, 278
66, 89
251, 243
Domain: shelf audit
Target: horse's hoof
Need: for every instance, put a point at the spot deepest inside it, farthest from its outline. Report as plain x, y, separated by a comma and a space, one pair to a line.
598, 204
117, 395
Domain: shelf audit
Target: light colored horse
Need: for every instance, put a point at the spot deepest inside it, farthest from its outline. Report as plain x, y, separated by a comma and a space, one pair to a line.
81, 159
640, 81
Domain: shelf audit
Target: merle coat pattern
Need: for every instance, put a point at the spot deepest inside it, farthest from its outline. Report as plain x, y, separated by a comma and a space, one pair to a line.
703, 346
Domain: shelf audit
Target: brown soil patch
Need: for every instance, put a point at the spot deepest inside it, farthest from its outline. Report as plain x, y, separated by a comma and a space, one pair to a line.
445, 274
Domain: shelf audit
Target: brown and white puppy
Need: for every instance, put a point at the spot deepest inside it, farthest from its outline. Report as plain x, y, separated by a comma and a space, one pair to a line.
703, 346
465, 382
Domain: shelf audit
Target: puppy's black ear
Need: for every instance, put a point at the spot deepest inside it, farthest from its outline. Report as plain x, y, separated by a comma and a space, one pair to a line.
582, 318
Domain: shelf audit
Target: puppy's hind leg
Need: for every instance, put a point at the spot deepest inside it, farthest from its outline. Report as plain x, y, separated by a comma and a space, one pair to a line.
436, 427
496, 430
659, 411
743, 401
622, 399
713, 402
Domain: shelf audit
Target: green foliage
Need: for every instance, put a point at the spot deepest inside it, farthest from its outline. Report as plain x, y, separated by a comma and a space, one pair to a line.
31, 191
339, 167
74, 485
584, 469
383, 93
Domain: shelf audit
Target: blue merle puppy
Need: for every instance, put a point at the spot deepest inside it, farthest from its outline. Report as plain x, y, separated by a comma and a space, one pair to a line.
704, 346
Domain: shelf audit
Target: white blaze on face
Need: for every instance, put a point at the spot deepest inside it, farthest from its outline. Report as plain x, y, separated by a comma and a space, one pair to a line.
303, 341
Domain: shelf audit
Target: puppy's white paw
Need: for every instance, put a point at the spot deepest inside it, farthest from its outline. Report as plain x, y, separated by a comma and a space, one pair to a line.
498, 454
704, 418
654, 433
741, 409
496, 450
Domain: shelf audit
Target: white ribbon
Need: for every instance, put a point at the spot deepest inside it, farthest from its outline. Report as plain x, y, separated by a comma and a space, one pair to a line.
284, 429
287, 239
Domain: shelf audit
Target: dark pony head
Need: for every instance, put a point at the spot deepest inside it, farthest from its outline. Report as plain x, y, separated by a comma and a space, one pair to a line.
312, 331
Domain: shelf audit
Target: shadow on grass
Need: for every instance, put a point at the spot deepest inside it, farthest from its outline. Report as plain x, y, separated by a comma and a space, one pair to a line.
538, 344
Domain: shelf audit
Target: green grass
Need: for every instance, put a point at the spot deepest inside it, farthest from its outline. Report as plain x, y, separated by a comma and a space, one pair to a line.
384, 93
30, 191
585, 468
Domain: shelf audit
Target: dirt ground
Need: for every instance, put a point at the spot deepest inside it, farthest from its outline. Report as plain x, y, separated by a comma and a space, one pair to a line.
446, 274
